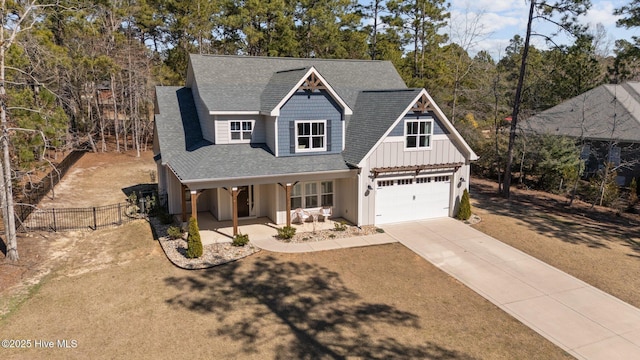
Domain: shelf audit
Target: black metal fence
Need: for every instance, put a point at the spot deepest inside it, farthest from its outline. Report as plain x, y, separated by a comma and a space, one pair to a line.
30, 195
79, 218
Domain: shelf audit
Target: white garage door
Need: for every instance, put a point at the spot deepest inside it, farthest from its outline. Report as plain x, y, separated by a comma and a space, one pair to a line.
412, 199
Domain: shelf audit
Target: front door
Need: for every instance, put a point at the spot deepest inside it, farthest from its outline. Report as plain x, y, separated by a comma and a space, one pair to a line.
244, 201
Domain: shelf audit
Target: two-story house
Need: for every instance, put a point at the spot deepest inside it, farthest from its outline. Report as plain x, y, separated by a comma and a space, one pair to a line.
260, 137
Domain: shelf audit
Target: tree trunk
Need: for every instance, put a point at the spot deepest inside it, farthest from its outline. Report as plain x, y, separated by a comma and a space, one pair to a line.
516, 107
115, 113
6, 189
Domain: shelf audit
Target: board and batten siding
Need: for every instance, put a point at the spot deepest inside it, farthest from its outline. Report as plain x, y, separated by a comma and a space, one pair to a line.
391, 152
310, 106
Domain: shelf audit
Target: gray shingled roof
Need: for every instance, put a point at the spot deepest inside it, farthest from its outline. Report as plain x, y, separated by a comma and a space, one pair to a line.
279, 86
373, 115
233, 83
193, 158
608, 112
177, 124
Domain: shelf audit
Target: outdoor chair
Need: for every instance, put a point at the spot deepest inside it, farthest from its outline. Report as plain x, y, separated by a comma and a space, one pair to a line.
301, 215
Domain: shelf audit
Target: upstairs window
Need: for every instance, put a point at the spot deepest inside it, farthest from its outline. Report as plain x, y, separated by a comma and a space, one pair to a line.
240, 131
311, 136
418, 134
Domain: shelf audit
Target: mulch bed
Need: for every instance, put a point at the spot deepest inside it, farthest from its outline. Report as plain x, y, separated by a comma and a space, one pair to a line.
212, 255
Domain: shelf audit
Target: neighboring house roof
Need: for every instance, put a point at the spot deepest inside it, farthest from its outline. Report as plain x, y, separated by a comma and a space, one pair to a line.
191, 158
608, 112
238, 83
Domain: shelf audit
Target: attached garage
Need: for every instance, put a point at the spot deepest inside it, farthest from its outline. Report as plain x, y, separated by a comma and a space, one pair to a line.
410, 199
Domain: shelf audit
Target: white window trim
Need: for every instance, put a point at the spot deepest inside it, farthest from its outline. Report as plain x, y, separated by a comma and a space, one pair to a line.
430, 135
241, 140
324, 140
318, 195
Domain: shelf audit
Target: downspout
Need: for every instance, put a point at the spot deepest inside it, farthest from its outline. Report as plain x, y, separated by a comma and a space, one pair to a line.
359, 197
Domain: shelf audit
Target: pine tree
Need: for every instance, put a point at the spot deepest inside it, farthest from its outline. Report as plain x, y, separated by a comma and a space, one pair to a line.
465, 207
194, 243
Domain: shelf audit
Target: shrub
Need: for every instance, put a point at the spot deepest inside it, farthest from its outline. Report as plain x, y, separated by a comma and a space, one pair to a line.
465, 206
174, 232
379, 230
194, 243
286, 232
240, 240
340, 226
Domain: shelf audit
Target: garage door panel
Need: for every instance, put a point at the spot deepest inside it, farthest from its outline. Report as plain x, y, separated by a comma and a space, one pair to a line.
409, 202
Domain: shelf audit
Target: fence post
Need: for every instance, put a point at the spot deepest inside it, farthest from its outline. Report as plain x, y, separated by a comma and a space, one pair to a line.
95, 221
119, 215
55, 226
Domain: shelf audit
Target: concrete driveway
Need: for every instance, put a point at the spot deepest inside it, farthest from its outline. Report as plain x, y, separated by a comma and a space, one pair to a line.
584, 321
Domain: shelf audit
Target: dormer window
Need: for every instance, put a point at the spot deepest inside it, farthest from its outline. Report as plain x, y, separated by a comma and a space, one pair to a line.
240, 131
311, 136
418, 134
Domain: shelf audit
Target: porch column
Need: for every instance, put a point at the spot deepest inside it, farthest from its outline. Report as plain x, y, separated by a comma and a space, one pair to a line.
234, 209
184, 203
287, 190
194, 204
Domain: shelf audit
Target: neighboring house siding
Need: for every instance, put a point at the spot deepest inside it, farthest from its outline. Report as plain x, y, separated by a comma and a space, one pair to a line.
315, 106
206, 120
438, 129
222, 128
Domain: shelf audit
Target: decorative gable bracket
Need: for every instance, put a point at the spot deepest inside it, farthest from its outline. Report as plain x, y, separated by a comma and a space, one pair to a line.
312, 83
422, 105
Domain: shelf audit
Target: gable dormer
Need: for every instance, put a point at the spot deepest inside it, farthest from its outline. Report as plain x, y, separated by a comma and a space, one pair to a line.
284, 84
308, 113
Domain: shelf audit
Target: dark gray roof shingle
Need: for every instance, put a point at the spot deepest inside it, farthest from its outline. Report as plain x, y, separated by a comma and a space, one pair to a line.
608, 112
228, 83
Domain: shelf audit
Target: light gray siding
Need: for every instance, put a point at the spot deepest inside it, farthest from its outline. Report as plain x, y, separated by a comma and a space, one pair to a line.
174, 191
346, 199
270, 133
310, 106
222, 128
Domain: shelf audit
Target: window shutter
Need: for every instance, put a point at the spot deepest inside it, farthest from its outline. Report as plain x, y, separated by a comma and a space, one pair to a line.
328, 129
292, 137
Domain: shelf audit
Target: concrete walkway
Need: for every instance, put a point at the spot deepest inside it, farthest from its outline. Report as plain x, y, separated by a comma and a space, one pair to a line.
271, 244
582, 320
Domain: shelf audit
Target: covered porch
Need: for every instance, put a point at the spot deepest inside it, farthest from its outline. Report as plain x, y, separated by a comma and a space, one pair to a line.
311, 196
213, 231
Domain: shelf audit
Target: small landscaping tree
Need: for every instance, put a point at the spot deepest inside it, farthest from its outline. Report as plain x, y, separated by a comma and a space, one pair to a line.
465, 206
194, 243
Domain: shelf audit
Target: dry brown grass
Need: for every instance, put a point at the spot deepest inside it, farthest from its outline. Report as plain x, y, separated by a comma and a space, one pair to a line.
595, 245
125, 300
116, 294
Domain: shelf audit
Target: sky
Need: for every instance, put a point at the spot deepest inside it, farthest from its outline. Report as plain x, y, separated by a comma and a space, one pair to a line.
499, 20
